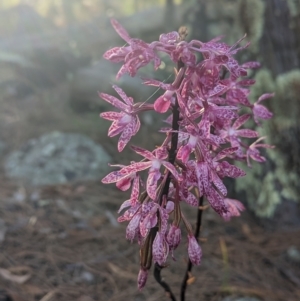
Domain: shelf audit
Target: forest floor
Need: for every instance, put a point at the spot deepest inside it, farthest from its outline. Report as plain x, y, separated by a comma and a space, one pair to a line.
63, 243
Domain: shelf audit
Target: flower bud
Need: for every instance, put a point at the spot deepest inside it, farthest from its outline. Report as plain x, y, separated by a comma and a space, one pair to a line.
174, 237
194, 250
160, 249
142, 278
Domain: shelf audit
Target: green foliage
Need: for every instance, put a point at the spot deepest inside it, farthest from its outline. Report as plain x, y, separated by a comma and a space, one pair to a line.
265, 187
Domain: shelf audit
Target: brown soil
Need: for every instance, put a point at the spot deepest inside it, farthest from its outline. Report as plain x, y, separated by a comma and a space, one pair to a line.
66, 239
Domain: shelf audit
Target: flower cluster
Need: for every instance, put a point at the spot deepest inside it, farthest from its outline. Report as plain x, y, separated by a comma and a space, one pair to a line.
209, 103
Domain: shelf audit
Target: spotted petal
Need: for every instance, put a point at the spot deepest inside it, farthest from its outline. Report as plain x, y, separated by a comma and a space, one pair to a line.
113, 101
120, 30
112, 116
143, 152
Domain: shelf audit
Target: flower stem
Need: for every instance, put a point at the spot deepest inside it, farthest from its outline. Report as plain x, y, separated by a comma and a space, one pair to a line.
163, 284
190, 265
171, 159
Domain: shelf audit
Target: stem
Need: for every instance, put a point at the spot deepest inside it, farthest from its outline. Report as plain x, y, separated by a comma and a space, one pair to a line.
171, 159
163, 284
190, 265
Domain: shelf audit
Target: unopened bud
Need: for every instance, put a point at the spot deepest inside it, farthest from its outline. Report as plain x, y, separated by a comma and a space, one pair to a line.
194, 250
174, 237
142, 278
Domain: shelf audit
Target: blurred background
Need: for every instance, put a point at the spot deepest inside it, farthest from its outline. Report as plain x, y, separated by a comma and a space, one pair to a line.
59, 237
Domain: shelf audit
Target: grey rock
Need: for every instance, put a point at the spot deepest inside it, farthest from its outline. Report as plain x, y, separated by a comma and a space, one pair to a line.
58, 158
293, 254
86, 276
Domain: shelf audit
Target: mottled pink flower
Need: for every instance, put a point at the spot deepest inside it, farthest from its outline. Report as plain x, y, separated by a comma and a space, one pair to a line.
156, 160
234, 208
125, 122
232, 133
138, 54
253, 152
194, 250
260, 111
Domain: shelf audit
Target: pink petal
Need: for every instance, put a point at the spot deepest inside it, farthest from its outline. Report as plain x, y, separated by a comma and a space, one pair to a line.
143, 152
170, 207
115, 129
156, 83
204, 125
153, 177
162, 104
234, 208
238, 96
142, 46
128, 100
217, 90
225, 113
247, 82
116, 176
264, 145
184, 152
216, 140
122, 71
202, 176
247, 133
113, 177
120, 30
265, 96
134, 197
124, 184
135, 167
137, 125
149, 222
262, 112
164, 216
113, 101
225, 152
124, 205
132, 227
173, 170
251, 65
216, 201
116, 54
112, 116
161, 153
170, 37
191, 200
218, 183
231, 171
128, 214
127, 133
240, 121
